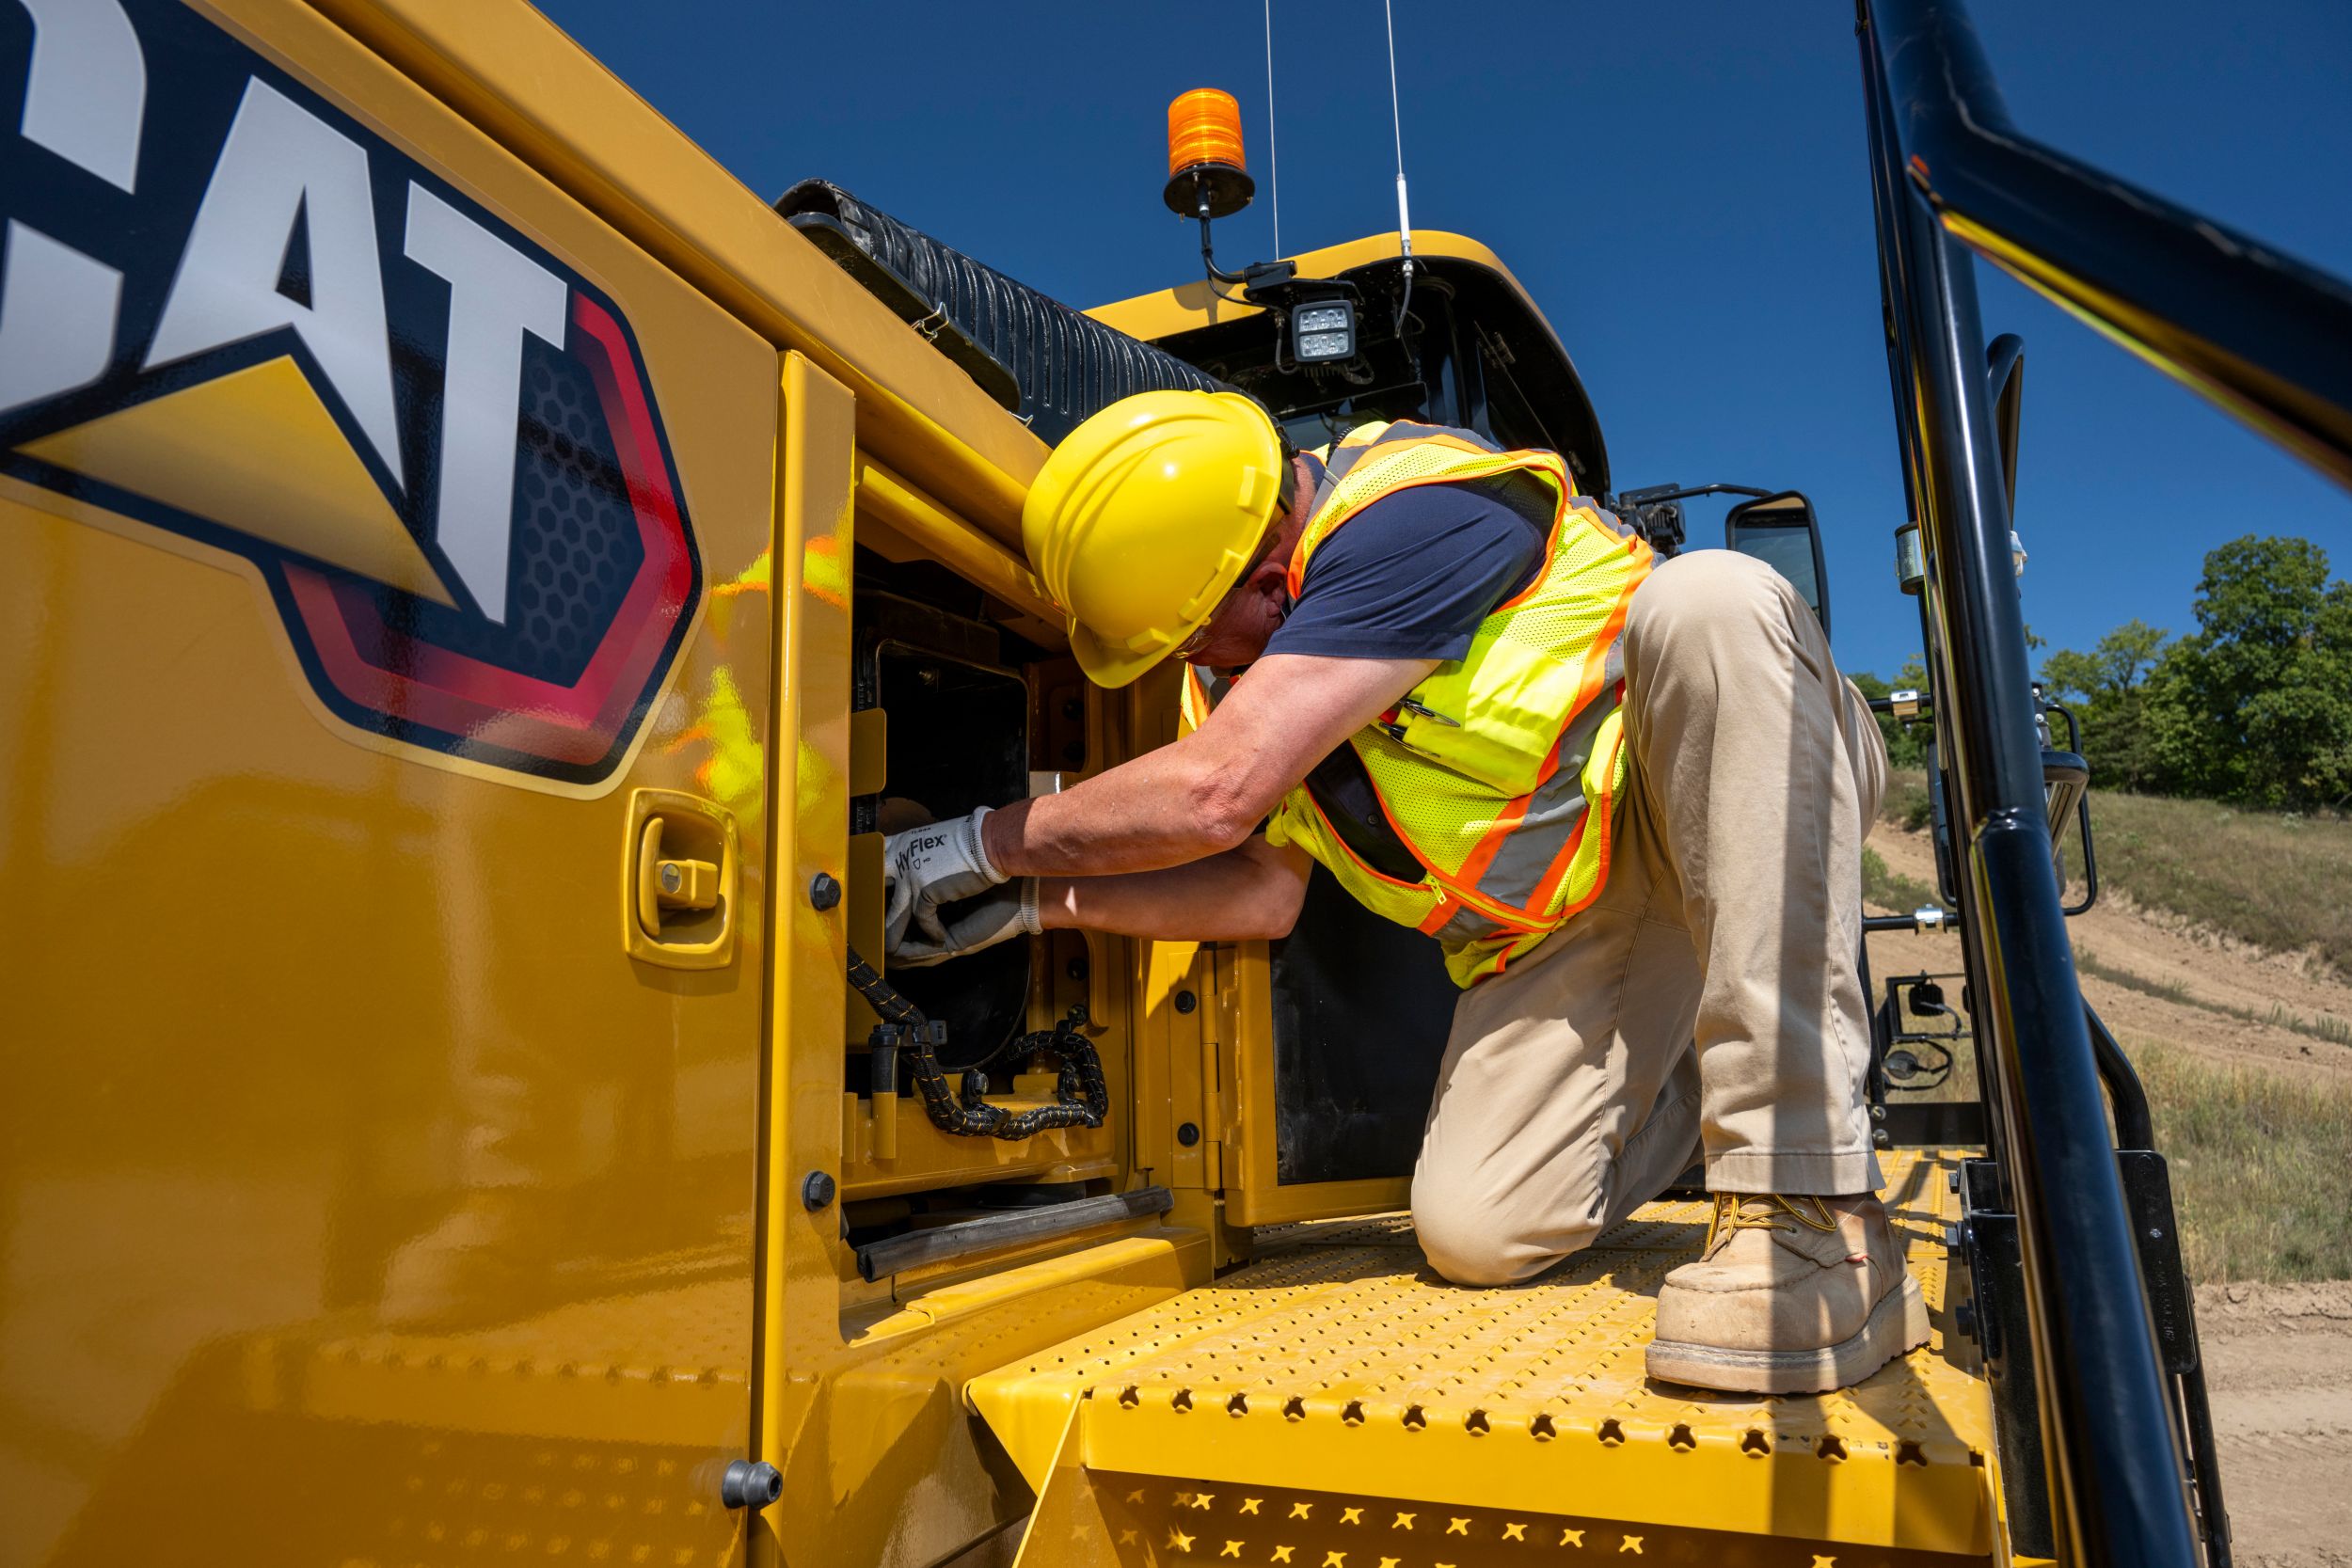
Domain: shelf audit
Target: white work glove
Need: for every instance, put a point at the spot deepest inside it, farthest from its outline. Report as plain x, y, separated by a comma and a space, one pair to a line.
925, 868
997, 915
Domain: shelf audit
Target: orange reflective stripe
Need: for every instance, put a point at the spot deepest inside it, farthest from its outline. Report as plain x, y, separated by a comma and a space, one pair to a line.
1549, 882
1463, 890
1503, 916
1562, 510
1597, 666
1474, 869
1602, 805
1637, 546
1353, 859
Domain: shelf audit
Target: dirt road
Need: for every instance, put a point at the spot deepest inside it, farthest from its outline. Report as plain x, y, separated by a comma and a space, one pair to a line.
2278, 1363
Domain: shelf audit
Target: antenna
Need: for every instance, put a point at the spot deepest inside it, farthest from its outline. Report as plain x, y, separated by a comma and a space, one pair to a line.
1404, 213
1272, 164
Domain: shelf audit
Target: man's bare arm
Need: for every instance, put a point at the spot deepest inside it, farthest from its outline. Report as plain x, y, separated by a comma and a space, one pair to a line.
1245, 894
1205, 793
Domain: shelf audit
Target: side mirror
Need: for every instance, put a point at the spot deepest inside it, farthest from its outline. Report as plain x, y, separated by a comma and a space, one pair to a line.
1780, 530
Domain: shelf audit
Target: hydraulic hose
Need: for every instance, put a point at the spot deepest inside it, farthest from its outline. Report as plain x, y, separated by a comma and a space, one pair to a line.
1080, 1097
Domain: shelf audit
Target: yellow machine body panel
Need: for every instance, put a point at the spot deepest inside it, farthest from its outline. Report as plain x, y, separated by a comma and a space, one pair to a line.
344, 1135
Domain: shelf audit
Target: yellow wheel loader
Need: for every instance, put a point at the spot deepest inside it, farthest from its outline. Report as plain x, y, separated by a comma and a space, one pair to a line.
478, 587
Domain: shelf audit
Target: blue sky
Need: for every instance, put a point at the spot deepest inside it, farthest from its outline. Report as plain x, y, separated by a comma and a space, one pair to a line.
1681, 187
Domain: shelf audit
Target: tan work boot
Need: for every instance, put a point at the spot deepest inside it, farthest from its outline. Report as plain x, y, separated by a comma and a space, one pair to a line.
1791, 1295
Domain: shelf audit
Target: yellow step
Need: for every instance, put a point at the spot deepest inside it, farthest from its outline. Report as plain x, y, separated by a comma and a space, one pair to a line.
1334, 1402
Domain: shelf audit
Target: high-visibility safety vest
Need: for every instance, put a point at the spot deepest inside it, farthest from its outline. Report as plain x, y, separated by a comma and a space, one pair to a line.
1499, 773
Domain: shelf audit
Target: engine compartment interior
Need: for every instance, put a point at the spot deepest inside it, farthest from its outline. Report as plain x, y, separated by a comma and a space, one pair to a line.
945, 702
953, 709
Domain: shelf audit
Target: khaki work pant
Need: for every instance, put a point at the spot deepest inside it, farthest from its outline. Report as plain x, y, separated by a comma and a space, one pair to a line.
1708, 1001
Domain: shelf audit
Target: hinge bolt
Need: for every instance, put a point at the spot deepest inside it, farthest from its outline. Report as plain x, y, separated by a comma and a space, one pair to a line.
823, 891
816, 1190
750, 1483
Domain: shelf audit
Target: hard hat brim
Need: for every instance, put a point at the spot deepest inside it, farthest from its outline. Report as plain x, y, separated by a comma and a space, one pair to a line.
1113, 667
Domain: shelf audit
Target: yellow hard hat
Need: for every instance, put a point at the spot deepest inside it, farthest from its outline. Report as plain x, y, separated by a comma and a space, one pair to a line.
1145, 516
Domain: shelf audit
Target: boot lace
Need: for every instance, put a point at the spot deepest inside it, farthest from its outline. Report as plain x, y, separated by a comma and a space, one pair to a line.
1766, 1211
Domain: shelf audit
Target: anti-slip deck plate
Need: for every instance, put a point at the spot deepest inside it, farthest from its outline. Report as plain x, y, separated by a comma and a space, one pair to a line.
1339, 1364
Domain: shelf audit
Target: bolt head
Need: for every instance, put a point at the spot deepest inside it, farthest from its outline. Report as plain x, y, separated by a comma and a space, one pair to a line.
672, 878
823, 891
1186, 1000
1188, 1134
750, 1483
816, 1190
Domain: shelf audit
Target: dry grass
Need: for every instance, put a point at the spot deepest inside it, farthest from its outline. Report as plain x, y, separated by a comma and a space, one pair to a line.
2283, 883
1891, 890
2258, 1164
2257, 1160
2088, 963
1906, 801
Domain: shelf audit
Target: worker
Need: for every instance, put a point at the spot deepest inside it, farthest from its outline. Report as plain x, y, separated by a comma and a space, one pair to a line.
1626, 798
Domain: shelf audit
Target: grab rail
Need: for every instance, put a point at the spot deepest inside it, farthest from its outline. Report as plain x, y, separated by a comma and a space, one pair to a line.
2270, 340
2265, 336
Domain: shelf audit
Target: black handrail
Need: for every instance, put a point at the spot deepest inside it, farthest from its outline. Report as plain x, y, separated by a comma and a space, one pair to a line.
2134, 1126
1945, 163
2266, 336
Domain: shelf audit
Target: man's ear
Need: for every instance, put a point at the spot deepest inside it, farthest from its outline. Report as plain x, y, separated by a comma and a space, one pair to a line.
1271, 577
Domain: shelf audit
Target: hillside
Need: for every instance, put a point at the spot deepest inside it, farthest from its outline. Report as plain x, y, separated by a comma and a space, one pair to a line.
2160, 978
2269, 884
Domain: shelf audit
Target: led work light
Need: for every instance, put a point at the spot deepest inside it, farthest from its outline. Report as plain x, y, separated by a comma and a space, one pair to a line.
1322, 331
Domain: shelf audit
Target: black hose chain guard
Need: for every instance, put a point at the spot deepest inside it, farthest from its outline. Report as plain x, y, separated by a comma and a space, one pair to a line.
1080, 1097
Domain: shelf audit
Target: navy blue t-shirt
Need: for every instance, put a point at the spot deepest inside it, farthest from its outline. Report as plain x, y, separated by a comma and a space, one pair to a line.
1412, 575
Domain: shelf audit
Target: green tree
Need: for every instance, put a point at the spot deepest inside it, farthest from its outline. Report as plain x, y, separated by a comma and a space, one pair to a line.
1907, 745
2256, 704
2106, 689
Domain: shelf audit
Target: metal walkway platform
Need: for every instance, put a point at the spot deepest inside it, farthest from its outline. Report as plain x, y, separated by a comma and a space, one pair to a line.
1296, 1409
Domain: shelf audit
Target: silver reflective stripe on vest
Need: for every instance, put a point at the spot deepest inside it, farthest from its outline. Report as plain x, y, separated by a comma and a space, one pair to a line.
1617, 524
1344, 457
1466, 925
1553, 809
1335, 468
1407, 429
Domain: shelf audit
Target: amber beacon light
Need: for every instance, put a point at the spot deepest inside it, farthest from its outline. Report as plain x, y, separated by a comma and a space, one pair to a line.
1206, 175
